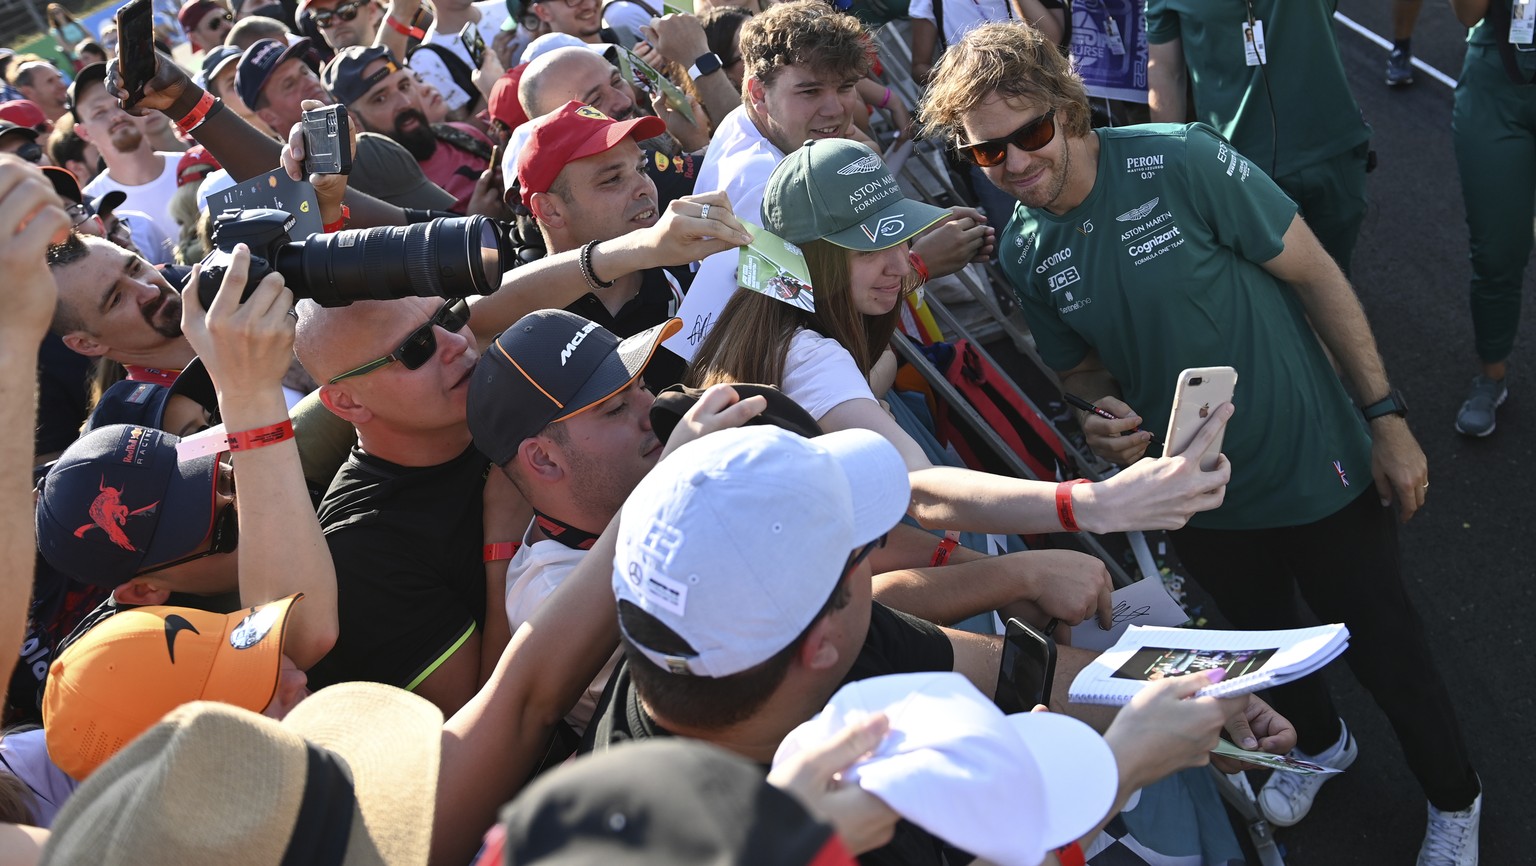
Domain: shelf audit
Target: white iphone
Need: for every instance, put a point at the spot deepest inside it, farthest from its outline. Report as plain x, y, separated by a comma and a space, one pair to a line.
1199, 391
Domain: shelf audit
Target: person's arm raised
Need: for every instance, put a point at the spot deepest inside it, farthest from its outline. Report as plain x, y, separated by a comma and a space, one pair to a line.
682, 235
1167, 81
246, 348
240, 149
31, 218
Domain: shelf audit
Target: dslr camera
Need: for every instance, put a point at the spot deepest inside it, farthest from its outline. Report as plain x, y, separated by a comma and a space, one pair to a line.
448, 257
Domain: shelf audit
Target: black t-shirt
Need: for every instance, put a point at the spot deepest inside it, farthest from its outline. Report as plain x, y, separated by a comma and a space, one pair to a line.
62, 400
410, 580
661, 293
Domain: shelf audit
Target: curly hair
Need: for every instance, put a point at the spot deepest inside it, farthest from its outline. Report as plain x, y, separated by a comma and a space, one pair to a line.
807, 33
1013, 60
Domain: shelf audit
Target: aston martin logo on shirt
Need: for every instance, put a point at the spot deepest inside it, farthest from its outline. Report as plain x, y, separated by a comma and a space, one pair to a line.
1139, 213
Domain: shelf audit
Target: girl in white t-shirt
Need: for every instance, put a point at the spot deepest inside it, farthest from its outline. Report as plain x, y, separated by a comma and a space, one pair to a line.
837, 200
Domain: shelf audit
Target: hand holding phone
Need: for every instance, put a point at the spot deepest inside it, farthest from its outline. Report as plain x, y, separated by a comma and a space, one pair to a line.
474, 43
1199, 391
135, 48
327, 141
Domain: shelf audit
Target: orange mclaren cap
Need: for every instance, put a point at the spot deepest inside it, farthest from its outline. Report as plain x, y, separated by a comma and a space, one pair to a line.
122, 676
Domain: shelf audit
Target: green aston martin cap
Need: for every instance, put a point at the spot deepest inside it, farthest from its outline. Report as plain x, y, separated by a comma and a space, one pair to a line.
843, 192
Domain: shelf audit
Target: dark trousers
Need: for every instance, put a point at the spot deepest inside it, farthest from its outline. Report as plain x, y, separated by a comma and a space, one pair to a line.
1346, 566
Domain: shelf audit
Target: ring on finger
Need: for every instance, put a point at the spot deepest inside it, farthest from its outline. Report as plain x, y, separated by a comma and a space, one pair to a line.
704, 212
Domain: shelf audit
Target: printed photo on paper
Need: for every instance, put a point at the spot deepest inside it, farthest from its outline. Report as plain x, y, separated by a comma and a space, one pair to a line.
775, 267
1156, 663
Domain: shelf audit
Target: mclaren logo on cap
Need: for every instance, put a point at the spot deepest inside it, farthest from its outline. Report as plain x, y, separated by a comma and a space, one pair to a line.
570, 348
866, 165
175, 624
589, 111
886, 227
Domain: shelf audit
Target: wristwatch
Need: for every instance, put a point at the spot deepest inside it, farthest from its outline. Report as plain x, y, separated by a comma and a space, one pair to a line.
1392, 404
704, 65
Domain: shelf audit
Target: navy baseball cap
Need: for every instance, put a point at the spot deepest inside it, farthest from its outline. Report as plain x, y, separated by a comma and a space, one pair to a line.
118, 501
343, 75
549, 366
144, 403
215, 61
261, 60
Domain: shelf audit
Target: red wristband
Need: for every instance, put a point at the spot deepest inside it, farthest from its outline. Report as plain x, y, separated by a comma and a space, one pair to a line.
1064, 504
261, 437
404, 29
346, 214
194, 118
500, 550
1071, 855
941, 554
919, 266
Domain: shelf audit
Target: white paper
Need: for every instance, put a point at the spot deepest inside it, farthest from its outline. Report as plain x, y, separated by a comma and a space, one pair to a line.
1145, 602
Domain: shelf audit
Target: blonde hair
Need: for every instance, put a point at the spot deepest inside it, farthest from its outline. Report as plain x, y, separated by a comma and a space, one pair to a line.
1013, 60
750, 341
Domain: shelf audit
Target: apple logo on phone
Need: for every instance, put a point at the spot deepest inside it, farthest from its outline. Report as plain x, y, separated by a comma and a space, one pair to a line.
1205, 410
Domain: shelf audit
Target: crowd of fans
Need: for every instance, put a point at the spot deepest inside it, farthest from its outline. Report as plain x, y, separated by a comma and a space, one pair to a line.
501, 530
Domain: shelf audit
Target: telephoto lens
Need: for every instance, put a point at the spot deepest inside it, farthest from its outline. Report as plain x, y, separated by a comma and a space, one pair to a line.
448, 257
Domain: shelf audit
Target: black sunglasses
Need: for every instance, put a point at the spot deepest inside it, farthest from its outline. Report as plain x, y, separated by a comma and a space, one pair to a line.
214, 21
863, 553
346, 12
421, 345
1030, 137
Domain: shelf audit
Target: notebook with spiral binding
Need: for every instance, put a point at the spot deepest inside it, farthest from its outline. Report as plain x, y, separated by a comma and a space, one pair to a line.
1252, 660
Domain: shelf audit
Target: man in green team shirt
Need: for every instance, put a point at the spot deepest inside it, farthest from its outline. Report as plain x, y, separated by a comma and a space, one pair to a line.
1139, 252
1267, 75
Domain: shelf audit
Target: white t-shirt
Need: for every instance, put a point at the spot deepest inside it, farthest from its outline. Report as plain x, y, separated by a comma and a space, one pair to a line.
431, 67
25, 756
819, 374
961, 17
534, 573
739, 161
157, 247
153, 198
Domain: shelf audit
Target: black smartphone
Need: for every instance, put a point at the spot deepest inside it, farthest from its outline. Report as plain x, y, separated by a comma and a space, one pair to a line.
136, 47
1029, 665
474, 43
327, 141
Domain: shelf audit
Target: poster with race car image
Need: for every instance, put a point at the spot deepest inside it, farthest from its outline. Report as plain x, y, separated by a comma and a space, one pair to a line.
776, 268
1109, 45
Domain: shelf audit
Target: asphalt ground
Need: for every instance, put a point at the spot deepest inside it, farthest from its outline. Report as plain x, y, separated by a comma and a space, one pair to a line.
1468, 555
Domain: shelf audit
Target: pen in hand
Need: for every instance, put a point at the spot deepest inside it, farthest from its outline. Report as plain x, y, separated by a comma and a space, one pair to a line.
1089, 407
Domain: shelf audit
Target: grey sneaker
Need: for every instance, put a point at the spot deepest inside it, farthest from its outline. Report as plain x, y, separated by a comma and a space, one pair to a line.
1399, 68
1476, 417
1286, 798
1451, 839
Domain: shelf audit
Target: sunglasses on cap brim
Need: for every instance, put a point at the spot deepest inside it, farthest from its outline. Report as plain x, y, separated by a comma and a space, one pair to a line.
1029, 138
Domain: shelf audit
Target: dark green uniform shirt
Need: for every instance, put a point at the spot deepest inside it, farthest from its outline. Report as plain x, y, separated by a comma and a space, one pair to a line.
1159, 271
1312, 117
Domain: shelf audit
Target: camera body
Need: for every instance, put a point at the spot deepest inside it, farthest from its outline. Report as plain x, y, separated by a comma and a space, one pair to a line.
264, 230
447, 257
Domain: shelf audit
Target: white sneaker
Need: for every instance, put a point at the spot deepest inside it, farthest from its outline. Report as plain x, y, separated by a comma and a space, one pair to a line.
1287, 797
1451, 839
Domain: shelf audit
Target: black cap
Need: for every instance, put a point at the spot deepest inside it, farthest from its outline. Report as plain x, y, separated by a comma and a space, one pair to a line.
96, 73
144, 403
343, 75
259, 62
674, 801
673, 402
216, 59
550, 366
7, 127
118, 501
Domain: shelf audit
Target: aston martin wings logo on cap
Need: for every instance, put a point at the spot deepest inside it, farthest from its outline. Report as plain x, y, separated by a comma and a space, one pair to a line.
864, 165
1138, 213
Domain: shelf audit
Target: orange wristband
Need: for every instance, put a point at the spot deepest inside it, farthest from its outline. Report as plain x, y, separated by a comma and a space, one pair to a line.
261, 437
500, 550
1064, 504
199, 113
941, 553
346, 214
404, 29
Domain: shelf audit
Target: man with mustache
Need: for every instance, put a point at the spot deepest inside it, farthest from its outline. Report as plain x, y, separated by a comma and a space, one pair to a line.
146, 176
382, 95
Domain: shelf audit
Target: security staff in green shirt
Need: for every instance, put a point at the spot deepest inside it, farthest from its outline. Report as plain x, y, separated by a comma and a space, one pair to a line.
1267, 75
1139, 252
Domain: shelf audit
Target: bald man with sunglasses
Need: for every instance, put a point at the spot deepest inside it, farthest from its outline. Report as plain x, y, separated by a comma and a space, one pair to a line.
407, 516
1141, 252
